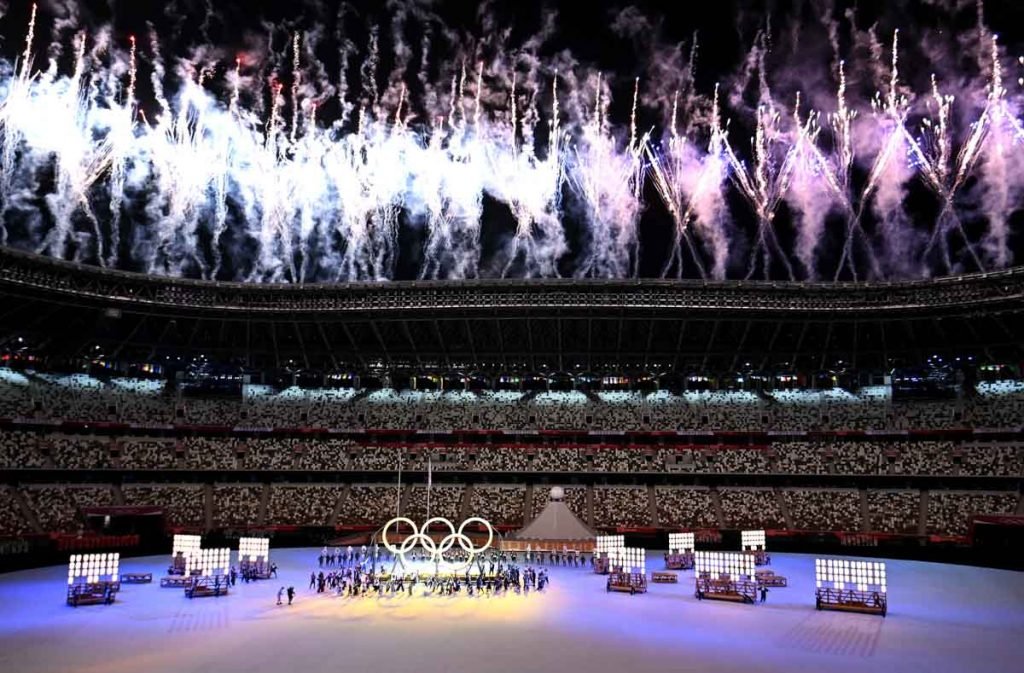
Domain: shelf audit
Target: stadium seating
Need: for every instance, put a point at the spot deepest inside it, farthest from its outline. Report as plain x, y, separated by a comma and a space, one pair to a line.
183, 504
621, 506
236, 505
894, 511
748, 508
80, 397
685, 508
302, 505
501, 505
229, 435
825, 510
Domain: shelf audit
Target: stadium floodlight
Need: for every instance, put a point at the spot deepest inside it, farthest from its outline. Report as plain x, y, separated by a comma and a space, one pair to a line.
93, 568
253, 549
843, 575
735, 565
752, 540
680, 543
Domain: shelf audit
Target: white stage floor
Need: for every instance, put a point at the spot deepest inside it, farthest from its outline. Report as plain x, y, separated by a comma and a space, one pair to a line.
941, 618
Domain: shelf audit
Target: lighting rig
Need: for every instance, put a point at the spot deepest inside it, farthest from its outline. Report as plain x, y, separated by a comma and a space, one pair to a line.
211, 579
628, 570
603, 547
93, 579
852, 586
753, 542
680, 551
254, 557
184, 549
727, 576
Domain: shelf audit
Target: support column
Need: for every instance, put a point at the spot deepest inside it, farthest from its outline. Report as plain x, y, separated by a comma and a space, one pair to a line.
780, 498
527, 505
922, 522
590, 505
26, 510
261, 514
716, 500
208, 507
652, 506
467, 499
339, 504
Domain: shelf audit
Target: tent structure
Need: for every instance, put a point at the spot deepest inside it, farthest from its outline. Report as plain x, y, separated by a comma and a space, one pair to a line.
556, 522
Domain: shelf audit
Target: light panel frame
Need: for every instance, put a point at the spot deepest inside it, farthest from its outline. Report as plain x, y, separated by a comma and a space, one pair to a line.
253, 549
844, 575
735, 565
189, 546
752, 540
94, 568
680, 543
213, 562
605, 544
629, 559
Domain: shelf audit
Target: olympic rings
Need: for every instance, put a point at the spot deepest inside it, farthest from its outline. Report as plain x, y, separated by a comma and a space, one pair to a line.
436, 550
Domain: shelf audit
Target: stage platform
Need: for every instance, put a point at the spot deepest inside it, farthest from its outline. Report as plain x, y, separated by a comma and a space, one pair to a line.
941, 619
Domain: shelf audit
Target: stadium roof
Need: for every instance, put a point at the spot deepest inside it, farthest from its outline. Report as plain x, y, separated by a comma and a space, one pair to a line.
552, 325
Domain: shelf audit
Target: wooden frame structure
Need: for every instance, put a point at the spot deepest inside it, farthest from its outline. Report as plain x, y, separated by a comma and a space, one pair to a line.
725, 588
846, 600
768, 578
176, 582
93, 593
260, 569
679, 561
216, 585
631, 583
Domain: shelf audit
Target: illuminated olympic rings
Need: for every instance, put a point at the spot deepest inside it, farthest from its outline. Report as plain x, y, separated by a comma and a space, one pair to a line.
434, 549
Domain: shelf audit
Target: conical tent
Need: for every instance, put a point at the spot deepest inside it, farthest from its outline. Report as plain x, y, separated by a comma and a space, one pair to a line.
555, 522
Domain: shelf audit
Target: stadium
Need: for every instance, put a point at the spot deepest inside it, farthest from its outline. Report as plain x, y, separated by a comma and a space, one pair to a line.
447, 450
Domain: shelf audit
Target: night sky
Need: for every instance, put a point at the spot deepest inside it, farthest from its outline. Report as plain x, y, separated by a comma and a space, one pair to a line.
800, 44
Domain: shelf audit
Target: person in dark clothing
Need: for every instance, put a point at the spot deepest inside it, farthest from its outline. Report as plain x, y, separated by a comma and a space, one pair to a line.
764, 594
312, 580
291, 594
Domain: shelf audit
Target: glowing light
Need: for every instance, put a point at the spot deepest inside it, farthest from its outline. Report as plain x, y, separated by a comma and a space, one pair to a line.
734, 564
681, 542
752, 540
211, 184
93, 568
850, 575
421, 538
605, 544
253, 548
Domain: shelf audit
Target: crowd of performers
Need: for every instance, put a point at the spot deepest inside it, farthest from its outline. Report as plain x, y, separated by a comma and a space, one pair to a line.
375, 571
375, 555
355, 581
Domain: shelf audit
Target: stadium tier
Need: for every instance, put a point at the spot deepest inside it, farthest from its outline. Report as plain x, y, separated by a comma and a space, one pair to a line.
871, 409
514, 327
